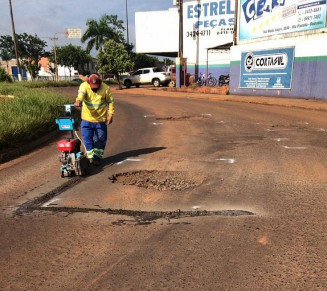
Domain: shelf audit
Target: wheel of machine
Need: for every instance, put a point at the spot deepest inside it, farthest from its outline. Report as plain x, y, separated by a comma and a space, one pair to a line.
156, 82
137, 85
128, 83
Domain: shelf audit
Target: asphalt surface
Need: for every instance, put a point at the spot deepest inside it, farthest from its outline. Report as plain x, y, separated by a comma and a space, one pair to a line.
195, 192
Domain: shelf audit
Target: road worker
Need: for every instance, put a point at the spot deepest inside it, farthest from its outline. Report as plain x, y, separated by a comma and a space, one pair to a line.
97, 114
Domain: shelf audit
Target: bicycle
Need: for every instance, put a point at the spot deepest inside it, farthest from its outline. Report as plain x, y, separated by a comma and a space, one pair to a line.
201, 81
211, 81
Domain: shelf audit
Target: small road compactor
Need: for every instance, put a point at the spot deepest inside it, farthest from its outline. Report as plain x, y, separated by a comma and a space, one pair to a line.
74, 162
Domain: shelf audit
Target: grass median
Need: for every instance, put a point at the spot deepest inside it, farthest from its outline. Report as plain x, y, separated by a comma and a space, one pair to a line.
27, 112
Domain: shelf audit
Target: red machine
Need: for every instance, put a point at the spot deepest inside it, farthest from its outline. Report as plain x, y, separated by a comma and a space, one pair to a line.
73, 160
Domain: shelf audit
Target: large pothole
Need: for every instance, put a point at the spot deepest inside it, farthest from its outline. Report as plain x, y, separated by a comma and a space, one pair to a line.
159, 180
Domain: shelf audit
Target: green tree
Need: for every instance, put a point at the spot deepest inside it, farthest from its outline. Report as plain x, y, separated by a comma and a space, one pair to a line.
4, 77
6, 56
6, 49
114, 59
144, 61
71, 56
98, 32
31, 49
168, 62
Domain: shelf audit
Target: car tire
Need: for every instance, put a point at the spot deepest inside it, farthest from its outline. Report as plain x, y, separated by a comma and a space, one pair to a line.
137, 85
128, 84
156, 82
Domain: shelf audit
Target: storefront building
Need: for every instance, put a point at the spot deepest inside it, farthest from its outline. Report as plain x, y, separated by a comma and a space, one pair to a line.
207, 27
279, 47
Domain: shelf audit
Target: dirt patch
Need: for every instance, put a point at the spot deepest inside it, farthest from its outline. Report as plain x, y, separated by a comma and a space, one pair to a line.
159, 180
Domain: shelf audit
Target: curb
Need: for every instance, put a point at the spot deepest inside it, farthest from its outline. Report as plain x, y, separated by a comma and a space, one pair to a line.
15, 153
299, 103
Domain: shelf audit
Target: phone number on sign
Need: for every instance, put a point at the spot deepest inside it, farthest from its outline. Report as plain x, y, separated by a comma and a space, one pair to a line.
195, 33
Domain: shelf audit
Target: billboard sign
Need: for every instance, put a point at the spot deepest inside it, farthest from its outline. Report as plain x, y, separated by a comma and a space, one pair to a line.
211, 21
157, 31
267, 69
73, 33
261, 18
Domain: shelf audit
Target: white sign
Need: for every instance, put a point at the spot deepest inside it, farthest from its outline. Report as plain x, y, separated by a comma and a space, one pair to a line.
211, 21
73, 33
207, 24
156, 31
265, 62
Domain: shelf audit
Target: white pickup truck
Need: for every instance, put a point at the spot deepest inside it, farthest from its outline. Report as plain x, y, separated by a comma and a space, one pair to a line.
147, 76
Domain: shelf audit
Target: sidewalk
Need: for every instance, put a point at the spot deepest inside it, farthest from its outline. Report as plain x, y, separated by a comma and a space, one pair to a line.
311, 104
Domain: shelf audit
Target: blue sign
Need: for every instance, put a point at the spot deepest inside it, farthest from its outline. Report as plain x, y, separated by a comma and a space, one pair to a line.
267, 69
262, 18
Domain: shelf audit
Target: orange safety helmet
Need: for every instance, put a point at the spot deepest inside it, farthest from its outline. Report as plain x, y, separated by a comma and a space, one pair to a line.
95, 81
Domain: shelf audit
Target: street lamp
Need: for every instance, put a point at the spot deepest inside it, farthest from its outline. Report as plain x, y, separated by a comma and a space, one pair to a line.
15, 41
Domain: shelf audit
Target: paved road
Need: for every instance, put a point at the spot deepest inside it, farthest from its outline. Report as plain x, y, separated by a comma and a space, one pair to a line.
193, 194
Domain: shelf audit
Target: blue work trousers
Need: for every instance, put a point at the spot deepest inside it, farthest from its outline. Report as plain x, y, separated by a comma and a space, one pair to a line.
95, 138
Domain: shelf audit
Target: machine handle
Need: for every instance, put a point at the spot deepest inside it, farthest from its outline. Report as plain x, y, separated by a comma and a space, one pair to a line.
68, 107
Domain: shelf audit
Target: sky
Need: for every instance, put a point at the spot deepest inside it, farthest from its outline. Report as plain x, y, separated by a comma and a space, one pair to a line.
45, 18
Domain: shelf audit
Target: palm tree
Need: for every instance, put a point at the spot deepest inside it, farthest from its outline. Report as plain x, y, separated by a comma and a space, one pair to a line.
98, 32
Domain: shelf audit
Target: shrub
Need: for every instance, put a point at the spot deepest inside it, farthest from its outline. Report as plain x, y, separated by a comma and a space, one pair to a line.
29, 115
4, 77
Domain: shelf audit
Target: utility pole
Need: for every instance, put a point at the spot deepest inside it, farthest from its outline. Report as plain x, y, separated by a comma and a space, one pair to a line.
180, 50
54, 38
127, 21
55, 55
15, 41
235, 23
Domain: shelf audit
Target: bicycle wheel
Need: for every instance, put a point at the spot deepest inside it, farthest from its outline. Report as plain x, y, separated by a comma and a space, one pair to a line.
201, 82
212, 81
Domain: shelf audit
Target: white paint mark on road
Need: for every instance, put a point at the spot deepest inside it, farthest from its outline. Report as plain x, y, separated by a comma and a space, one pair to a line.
221, 121
206, 114
155, 123
319, 129
229, 161
129, 160
294, 148
279, 129
52, 201
146, 116
281, 139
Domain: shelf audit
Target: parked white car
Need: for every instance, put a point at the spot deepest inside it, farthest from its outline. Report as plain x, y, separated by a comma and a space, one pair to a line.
147, 76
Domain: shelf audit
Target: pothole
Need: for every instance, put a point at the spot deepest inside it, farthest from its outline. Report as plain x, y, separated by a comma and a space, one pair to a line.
187, 117
158, 180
